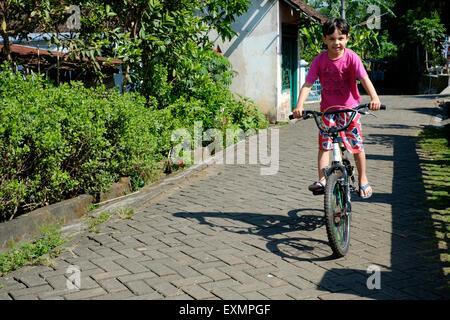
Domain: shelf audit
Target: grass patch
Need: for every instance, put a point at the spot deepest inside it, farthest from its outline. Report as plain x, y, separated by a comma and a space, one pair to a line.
93, 222
435, 161
93, 207
125, 213
39, 251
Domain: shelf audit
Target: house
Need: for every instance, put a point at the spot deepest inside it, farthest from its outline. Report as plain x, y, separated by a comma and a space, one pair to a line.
265, 54
36, 55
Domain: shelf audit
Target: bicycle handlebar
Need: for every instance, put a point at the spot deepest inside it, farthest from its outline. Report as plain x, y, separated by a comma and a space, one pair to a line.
307, 114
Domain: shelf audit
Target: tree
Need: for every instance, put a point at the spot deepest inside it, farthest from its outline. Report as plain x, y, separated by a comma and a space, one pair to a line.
428, 32
158, 40
356, 11
18, 18
411, 54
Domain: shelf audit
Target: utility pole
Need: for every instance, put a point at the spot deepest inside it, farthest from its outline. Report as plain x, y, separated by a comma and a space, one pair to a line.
342, 9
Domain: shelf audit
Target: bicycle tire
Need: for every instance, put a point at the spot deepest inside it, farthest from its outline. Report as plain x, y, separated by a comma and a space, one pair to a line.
337, 222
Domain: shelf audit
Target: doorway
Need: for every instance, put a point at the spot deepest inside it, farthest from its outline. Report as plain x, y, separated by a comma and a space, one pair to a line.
289, 62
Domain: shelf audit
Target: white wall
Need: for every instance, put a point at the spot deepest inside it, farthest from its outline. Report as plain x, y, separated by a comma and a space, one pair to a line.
254, 54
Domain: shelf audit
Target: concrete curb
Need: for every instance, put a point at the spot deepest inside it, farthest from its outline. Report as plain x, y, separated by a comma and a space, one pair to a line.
26, 227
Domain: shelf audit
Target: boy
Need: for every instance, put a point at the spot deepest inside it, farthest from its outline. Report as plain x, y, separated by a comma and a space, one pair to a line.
337, 69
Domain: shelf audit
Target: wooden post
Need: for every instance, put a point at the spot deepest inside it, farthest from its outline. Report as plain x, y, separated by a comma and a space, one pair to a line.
39, 59
57, 68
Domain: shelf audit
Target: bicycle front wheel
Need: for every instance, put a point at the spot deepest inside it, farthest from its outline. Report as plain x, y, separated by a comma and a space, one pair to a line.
336, 215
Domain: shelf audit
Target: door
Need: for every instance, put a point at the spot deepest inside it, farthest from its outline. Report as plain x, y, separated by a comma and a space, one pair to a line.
289, 62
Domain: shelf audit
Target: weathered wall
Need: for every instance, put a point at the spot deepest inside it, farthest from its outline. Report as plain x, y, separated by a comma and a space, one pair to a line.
254, 54
288, 15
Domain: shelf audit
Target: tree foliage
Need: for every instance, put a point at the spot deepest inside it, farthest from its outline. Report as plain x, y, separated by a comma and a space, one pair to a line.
369, 43
412, 55
428, 32
161, 42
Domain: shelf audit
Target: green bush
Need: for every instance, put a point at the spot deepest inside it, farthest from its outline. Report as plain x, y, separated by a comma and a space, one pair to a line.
203, 94
59, 142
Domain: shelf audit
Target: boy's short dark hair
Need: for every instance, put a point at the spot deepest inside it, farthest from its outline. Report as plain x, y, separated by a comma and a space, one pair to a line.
331, 24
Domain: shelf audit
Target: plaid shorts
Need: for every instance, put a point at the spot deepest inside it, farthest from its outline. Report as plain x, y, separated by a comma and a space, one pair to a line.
352, 136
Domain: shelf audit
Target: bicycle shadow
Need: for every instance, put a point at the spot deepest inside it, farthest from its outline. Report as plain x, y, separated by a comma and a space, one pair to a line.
414, 270
270, 227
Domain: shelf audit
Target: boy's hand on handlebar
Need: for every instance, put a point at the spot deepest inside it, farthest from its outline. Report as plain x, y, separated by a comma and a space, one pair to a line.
375, 104
297, 112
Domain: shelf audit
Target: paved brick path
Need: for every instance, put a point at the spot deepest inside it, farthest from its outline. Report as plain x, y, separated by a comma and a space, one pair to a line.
232, 233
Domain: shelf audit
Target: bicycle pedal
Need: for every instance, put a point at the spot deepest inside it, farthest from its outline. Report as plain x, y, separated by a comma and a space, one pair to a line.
317, 193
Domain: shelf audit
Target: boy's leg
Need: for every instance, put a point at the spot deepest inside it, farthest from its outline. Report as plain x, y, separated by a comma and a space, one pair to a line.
323, 158
354, 142
360, 161
322, 162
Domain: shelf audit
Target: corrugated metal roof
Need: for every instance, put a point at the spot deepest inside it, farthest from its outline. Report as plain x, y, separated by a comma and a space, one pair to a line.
25, 51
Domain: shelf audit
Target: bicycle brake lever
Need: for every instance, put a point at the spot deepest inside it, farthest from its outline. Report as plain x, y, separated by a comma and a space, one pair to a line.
363, 111
306, 116
366, 111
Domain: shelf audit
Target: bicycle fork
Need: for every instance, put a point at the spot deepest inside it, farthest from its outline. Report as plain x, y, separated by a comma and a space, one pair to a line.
338, 166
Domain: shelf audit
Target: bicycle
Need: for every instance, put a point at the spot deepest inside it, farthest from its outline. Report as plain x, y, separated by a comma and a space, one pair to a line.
338, 189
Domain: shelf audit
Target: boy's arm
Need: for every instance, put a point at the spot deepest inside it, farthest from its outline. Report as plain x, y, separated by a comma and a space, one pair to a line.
370, 89
304, 92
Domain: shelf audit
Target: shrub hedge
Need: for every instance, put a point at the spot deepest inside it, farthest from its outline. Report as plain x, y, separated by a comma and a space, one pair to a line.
59, 142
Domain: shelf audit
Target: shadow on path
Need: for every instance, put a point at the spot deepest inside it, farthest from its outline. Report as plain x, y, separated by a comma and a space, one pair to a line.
415, 271
271, 227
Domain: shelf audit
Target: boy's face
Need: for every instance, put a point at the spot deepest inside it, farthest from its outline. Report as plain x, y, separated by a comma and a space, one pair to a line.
336, 42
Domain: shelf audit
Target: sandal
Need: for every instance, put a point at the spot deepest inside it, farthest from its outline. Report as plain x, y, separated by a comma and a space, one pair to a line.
316, 187
363, 189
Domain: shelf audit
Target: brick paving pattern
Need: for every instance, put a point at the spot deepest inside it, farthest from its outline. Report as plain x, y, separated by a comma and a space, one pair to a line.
232, 233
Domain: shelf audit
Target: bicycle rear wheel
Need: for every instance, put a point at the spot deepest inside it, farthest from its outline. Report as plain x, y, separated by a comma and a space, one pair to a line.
336, 216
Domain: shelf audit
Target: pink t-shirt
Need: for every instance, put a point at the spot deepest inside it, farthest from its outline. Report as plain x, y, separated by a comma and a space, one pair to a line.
337, 78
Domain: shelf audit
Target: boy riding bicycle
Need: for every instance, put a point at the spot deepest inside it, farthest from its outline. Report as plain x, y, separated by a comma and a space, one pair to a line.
337, 69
